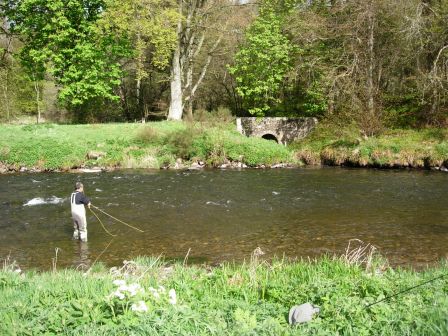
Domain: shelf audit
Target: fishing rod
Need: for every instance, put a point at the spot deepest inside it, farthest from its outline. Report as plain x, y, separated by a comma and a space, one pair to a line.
407, 290
99, 256
110, 234
118, 220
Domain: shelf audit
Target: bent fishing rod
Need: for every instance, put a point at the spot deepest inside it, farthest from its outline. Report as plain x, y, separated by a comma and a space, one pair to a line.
115, 218
407, 290
99, 220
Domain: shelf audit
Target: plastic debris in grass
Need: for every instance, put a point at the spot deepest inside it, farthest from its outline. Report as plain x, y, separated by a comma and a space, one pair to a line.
302, 313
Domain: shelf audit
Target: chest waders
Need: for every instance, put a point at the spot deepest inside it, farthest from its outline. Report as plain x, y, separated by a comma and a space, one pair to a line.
79, 219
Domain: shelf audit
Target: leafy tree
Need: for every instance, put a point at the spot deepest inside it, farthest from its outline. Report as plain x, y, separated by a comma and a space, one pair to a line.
188, 64
17, 91
262, 62
61, 37
150, 28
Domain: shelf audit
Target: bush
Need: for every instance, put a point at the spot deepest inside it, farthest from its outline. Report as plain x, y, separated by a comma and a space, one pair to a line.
180, 142
148, 134
216, 146
216, 118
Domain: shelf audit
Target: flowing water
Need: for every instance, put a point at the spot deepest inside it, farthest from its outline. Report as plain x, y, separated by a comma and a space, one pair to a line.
225, 215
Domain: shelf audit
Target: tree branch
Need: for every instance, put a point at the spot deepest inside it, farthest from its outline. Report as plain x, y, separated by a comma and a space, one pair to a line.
204, 69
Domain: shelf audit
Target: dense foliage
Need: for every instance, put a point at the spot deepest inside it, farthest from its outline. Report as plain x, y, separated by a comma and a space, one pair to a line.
61, 39
262, 62
378, 63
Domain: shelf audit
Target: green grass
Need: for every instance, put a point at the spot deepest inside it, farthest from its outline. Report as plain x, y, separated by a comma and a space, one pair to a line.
393, 148
52, 146
245, 299
160, 144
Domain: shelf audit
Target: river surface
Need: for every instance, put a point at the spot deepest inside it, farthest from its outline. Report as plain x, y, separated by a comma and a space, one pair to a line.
224, 215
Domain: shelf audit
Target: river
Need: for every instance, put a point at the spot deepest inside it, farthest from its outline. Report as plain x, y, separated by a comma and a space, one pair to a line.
224, 215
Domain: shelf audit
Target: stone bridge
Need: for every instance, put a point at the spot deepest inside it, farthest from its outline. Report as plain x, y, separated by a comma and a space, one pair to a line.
282, 130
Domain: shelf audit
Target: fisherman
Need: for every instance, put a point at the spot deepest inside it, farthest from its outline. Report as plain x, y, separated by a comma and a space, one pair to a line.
78, 200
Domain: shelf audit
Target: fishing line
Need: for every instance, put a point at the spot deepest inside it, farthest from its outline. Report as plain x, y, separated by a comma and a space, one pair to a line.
99, 256
118, 220
102, 223
407, 290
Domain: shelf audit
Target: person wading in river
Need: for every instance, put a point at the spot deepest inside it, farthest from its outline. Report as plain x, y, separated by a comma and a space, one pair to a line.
78, 200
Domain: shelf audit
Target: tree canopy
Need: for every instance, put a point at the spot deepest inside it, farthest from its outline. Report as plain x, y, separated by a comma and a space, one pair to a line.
376, 63
61, 38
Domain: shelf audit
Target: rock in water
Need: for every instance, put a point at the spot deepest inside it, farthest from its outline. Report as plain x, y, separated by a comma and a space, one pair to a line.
303, 313
95, 155
195, 166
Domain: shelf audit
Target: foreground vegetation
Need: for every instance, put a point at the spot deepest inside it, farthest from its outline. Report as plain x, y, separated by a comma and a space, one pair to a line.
179, 145
253, 298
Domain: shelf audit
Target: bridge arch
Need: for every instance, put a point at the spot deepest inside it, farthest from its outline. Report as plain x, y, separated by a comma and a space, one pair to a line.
270, 136
282, 130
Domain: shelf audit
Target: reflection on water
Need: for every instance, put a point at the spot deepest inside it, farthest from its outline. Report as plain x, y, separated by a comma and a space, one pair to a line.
225, 215
81, 255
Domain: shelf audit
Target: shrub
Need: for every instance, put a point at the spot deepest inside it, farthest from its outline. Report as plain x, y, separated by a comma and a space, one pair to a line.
180, 142
148, 134
216, 118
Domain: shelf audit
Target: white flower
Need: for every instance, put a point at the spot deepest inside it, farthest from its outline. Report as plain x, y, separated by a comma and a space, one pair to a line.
123, 288
133, 289
172, 295
154, 292
139, 307
118, 294
134, 286
119, 282
162, 289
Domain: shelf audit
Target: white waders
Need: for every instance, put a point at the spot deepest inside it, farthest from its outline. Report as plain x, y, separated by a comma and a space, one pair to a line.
79, 219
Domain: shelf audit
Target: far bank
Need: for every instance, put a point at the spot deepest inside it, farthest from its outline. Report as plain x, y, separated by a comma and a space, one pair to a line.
178, 145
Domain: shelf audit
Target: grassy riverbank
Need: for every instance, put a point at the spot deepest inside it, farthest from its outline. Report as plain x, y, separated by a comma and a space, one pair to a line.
332, 145
178, 145
249, 299
153, 145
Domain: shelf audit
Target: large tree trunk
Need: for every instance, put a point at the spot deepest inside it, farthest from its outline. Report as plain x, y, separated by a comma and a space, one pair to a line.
176, 109
190, 36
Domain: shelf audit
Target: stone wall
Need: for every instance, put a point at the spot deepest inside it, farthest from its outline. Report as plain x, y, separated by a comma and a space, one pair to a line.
283, 130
